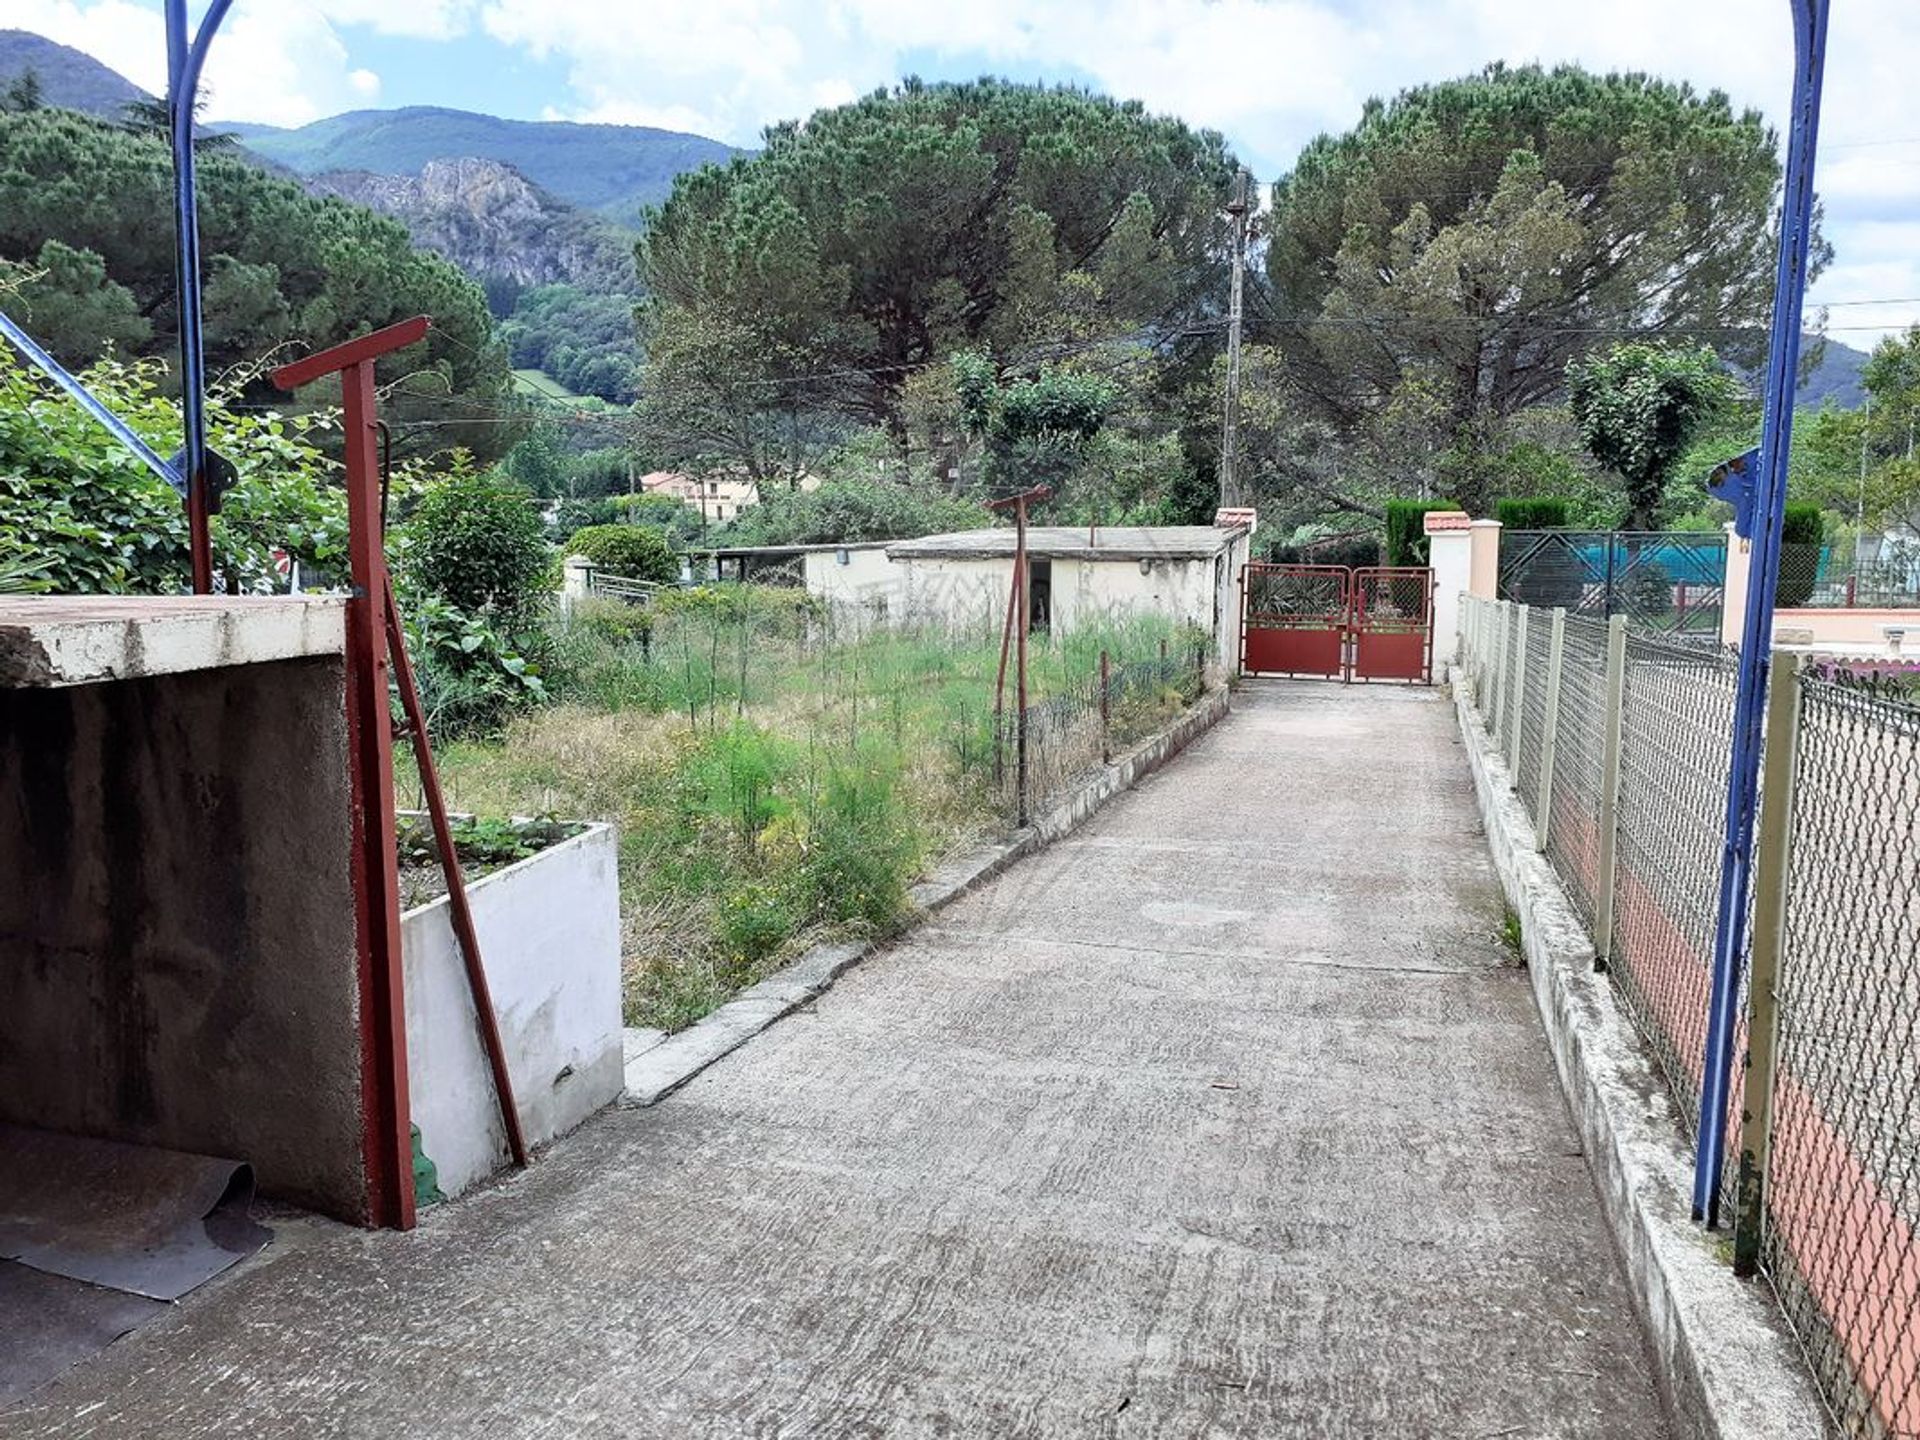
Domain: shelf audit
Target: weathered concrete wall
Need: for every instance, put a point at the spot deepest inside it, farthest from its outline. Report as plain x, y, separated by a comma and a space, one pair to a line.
177, 959
549, 930
867, 578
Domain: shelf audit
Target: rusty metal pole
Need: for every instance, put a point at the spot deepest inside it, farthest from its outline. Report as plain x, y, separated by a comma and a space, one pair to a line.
1020, 722
461, 911
386, 1110
1106, 710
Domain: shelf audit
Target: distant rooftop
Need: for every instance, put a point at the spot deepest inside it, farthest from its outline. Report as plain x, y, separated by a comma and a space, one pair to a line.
1074, 542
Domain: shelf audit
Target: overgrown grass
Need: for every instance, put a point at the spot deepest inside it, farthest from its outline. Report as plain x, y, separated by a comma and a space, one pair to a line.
779, 774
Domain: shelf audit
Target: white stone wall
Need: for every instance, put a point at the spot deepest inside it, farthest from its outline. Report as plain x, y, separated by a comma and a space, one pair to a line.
868, 579
549, 930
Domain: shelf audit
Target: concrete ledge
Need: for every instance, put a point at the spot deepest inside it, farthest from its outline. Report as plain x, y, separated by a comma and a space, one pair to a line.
55, 640
1728, 1367
657, 1067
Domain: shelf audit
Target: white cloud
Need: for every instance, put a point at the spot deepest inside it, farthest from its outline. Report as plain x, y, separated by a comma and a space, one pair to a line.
283, 63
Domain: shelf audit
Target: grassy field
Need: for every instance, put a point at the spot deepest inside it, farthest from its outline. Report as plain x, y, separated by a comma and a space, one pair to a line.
777, 778
539, 383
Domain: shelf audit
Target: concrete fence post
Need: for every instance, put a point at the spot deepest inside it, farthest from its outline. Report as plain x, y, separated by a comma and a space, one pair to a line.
1516, 730
1543, 806
1106, 710
1609, 818
1496, 712
1773, 863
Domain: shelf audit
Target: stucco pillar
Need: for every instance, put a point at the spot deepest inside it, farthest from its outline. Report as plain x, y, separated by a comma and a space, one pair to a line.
1450, 553
1483, 578
1733, 601
576, 581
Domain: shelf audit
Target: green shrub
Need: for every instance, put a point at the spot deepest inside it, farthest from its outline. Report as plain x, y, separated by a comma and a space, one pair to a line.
1546, 512
1356, 552
754, 922
474, 540
471, 677
615, 621
861, 852
635, 552
1802, 530
1406, 535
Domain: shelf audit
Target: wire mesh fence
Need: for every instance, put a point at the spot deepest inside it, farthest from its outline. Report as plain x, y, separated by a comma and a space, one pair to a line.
1827, 577
1842, 1239
1573, 826
1531, 702
1042, 751
1840, 1230
1674, 755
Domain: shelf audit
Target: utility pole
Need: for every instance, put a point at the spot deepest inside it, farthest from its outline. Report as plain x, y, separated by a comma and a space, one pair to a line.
1230, 495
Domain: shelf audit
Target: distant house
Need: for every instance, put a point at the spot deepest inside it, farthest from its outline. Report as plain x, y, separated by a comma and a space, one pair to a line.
719, 496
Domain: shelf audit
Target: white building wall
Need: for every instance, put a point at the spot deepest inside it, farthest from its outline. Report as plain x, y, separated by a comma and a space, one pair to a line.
1204, 592
868, 578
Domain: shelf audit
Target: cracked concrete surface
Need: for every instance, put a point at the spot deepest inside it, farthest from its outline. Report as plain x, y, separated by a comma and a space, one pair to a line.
1228, 1116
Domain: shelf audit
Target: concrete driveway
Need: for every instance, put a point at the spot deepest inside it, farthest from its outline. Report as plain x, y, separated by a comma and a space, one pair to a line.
1229, 1116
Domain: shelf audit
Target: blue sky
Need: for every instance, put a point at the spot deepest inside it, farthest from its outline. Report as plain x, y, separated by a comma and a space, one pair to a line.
1269, 74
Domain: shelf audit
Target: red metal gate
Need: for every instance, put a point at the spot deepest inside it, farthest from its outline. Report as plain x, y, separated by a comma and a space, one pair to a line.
1334, 623
1294, 619
1392, 623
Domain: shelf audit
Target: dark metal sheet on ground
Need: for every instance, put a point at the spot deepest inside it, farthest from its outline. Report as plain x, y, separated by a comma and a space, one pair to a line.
53, 1323
130, 1217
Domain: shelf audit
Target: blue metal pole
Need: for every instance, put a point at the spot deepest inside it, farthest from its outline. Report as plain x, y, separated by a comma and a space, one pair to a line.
184, 62
1770, 503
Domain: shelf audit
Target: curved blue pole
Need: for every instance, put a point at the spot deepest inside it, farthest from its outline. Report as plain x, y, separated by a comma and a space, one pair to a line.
185, 59
1756, 636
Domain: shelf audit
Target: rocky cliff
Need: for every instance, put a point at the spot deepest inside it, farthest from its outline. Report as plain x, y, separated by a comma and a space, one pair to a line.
493, 222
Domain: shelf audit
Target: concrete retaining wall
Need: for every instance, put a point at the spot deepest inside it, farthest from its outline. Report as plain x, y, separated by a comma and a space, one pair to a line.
549, 929
1729, 1368
178, 963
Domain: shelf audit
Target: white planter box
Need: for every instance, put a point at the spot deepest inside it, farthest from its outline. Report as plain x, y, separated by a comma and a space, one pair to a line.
549, 930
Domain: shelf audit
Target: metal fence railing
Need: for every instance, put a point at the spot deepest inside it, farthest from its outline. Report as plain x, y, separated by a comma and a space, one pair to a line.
1821, 577
1041, 752
1627, 785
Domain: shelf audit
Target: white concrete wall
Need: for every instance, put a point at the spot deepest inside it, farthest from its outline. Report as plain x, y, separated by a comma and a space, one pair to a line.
549, 929
1085, 592
868, 579
959, 593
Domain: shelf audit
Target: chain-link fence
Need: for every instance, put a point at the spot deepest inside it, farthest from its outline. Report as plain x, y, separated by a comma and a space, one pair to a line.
1634, 826
1676, 729
1041, 752
1829, 577
1841, 1241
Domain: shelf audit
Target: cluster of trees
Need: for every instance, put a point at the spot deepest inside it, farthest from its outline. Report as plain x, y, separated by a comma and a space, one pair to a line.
942, 265
87, 257
582, 338
816, 290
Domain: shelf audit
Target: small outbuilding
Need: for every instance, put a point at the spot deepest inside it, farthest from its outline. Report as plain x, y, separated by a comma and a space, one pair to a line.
1080, 575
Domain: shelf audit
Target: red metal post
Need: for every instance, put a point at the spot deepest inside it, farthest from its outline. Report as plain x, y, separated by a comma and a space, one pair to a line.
199, 534
385, 1109
461, 912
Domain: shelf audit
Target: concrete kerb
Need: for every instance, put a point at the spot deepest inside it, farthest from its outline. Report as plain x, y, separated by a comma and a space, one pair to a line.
1729, 1368
656, 1066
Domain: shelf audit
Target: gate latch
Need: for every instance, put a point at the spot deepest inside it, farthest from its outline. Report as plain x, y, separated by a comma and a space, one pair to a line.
1733, 481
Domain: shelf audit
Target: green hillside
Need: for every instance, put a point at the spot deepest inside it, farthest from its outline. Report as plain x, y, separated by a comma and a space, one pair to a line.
69, 79
611, 168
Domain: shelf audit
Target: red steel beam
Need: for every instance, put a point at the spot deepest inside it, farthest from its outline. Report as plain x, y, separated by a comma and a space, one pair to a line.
386, 1112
